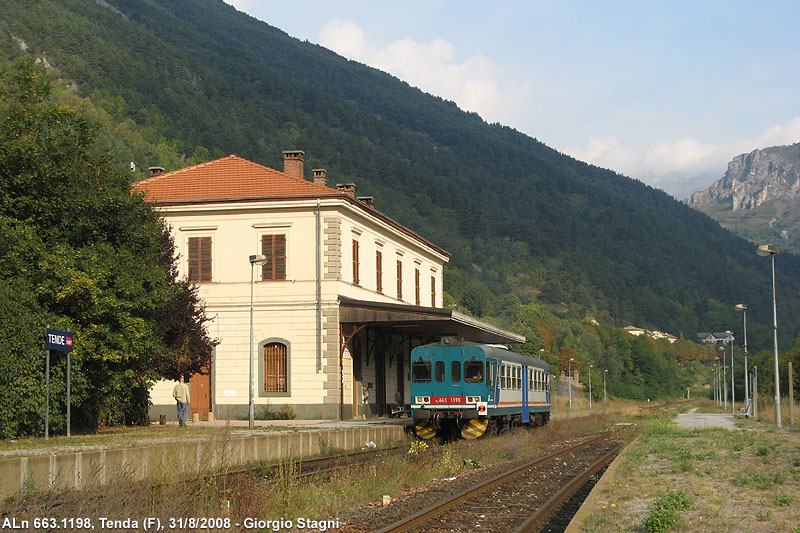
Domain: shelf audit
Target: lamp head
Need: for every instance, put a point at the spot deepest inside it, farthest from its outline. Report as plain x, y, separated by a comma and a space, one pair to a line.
258, 259
741, 307
765, 249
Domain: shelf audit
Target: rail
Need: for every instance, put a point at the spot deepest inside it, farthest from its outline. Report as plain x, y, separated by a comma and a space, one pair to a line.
413, 522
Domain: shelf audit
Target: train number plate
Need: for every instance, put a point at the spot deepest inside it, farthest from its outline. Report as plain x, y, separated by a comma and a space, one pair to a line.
448, 400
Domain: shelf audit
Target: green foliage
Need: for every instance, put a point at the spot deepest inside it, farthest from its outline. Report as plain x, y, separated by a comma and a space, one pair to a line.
78, 251
185, 81
286, 412
21, 389
666, 510
760, 480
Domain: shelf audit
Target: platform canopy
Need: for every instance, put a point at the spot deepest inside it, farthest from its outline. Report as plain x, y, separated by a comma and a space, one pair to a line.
433, 322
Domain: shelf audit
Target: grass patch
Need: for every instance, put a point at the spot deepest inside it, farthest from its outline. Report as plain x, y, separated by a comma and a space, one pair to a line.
739, 480
285, 495
666, 511
760, 480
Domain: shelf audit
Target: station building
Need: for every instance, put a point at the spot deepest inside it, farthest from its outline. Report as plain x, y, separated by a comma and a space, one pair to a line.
341, 296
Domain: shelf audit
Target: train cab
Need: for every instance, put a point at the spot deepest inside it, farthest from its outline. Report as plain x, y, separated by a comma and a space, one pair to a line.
462, 386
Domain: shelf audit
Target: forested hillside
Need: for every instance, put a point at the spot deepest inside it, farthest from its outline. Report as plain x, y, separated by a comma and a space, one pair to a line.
184, 81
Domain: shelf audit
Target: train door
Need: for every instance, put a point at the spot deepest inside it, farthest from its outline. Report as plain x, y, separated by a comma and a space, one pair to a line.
455, 377
547, 388
500, 382
491, 380
526, 416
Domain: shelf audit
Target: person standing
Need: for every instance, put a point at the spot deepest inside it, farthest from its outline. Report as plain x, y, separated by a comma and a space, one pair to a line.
181, 395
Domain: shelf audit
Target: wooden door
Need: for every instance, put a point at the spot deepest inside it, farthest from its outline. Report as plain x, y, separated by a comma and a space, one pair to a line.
200, 394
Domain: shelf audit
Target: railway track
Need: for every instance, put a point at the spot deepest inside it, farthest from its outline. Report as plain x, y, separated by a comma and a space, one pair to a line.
521, 499
321, 466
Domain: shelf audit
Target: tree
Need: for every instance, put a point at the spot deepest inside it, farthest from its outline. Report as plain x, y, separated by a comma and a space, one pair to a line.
81, 252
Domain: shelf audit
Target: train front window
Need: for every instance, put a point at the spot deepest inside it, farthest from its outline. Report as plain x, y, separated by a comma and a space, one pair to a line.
421, 371
439, 371
473, 371
455, 371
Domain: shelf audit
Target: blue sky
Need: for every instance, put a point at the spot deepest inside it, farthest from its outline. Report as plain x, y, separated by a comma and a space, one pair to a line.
666, 92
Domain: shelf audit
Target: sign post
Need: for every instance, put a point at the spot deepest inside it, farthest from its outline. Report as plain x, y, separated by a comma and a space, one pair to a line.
61, 341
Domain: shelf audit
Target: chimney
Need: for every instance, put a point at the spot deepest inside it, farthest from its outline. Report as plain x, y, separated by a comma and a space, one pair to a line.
155, 171
320, 176
368, 201
293, 163
349, 188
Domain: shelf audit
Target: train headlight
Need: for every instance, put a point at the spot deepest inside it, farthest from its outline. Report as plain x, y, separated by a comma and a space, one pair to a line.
423, 399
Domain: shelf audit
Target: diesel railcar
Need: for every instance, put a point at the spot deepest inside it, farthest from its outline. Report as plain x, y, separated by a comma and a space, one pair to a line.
471, 388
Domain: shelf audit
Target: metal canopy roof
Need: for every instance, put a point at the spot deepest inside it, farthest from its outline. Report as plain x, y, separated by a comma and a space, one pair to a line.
431, 321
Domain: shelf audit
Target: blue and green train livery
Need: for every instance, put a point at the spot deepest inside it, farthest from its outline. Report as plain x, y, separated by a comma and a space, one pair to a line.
471, 388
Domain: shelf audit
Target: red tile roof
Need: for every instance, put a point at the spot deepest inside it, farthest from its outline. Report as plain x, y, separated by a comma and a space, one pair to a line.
227, 178
233, 178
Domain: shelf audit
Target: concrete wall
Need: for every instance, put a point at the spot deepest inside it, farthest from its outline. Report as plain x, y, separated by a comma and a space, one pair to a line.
96, 467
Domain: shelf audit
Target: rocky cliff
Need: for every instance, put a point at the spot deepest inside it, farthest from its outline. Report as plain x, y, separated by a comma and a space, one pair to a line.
759, 197
753, 179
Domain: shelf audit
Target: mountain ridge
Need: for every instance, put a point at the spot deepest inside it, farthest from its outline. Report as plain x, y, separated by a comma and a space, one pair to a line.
758, 197
200, 79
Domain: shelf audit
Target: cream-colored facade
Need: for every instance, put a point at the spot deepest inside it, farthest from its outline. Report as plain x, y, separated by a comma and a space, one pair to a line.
287, 311
360, 291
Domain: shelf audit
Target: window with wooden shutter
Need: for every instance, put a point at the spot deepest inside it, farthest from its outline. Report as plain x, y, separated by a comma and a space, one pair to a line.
274, 248
433, 291
399, 279
199, 259
379, 270
275, 378
416, 284
355, 262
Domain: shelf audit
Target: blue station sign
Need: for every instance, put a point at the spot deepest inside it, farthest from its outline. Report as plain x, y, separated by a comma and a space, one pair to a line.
58, 340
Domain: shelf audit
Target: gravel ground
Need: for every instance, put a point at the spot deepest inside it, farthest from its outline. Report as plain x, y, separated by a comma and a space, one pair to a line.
375, 516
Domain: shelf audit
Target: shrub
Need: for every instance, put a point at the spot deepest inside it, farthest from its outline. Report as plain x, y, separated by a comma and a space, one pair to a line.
665, 512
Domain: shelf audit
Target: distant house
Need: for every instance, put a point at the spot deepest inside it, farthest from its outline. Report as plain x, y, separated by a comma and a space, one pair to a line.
706, 338
713, 338
633, 330
655, 334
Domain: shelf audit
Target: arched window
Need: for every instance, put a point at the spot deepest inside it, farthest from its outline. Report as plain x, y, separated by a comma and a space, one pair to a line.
275, 372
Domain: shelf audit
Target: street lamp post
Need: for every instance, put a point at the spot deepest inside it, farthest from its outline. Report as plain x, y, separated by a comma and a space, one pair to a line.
605, 396
254, 260
743, 308
769, 250
724, 378
569, 380
714, 368
733, 401
590, 386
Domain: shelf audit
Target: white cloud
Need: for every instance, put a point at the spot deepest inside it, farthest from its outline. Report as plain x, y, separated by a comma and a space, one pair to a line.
669, 164
242, 5
475, 84
781, 134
